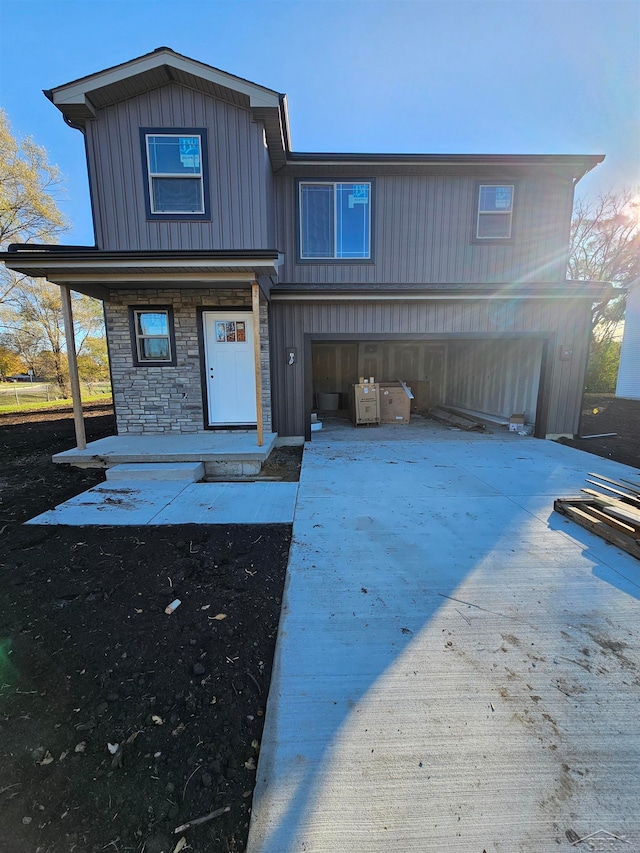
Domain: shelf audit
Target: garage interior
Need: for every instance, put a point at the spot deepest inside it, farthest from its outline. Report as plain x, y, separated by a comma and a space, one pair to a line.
487, 377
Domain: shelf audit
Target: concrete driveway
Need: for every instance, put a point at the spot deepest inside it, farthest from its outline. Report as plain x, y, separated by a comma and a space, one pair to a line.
457, 665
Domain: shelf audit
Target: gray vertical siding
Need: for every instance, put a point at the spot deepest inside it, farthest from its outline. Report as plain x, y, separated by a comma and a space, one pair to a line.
240, 177
423, 227
560, 321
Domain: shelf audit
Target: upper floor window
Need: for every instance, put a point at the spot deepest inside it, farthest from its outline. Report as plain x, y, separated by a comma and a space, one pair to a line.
176, 172
335, 220
153, 336
495, 211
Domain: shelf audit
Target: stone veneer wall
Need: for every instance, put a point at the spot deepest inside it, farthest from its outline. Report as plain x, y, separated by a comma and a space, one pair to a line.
159, 399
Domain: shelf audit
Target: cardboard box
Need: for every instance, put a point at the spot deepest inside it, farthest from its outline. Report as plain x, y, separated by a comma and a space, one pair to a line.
421, 390
395, 403
365, 403
516, 422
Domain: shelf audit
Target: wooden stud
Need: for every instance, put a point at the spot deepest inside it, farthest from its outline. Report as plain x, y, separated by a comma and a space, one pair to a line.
74, 379
255, 301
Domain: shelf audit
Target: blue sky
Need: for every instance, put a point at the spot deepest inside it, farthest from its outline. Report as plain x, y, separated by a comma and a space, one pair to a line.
463, 76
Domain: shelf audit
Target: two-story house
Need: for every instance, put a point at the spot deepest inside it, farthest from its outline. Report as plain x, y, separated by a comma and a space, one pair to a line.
240, 278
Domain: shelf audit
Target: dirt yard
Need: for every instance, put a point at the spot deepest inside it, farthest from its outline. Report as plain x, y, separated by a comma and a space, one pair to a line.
118, 722
604, 413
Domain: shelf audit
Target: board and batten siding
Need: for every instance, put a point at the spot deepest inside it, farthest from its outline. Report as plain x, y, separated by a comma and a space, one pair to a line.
628, 384
240, 183
564, 324
423, 228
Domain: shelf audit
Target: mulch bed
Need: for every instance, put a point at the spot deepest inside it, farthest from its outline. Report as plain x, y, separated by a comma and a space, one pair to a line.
118, 722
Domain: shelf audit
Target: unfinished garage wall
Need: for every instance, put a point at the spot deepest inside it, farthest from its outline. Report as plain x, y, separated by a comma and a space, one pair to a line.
337, 366
496, 377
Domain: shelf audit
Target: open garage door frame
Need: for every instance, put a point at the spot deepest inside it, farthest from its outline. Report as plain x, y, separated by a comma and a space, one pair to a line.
545, 381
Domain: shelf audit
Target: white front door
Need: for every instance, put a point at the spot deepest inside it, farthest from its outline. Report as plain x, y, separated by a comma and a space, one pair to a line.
230, 368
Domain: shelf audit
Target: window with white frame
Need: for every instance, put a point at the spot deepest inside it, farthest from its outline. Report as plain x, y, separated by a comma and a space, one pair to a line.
335, 220
495, 211
153, 336
175, 172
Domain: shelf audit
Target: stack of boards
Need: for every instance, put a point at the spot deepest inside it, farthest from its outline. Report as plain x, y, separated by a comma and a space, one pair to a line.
612, 511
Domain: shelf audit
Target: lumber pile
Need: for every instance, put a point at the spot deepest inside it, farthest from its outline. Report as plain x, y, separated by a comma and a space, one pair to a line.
455, 419
612, 511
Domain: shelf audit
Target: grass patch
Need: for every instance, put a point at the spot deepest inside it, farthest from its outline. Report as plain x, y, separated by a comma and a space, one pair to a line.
14, 408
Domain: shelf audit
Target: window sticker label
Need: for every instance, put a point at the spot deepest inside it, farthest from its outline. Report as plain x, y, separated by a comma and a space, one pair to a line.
503, 198
359, 195
190, 152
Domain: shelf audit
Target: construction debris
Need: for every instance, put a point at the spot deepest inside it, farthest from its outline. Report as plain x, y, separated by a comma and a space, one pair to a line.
614, 516
457, 421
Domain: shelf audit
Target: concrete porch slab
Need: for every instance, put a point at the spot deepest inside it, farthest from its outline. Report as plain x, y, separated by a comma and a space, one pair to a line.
132, 502
197, 447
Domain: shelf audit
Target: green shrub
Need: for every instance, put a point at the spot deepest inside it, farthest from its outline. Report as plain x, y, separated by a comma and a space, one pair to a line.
602, 367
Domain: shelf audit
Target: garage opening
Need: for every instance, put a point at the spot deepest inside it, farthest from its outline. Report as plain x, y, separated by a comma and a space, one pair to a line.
487, 377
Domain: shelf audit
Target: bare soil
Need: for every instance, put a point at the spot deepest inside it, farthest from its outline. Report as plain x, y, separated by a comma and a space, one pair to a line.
118, 722
604, 413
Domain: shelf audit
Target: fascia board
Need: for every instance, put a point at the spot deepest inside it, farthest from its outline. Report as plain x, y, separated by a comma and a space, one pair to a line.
73, 93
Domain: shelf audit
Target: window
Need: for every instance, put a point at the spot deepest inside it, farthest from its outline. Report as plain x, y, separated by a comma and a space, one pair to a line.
335, 220
495, 211
153, 336
176, 172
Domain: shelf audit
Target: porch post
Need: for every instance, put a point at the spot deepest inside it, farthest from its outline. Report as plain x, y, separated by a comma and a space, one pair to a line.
255, 301
74, 379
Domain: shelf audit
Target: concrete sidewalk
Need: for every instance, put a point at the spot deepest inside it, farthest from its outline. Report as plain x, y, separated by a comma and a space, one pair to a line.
175, 501
457, 666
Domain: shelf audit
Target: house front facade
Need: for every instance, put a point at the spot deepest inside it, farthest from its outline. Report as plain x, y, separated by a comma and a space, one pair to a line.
241, 279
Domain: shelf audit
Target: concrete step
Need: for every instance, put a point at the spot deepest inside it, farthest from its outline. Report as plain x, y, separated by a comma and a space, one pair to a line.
190, 472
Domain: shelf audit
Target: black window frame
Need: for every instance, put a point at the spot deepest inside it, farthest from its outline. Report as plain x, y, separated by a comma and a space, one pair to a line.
334, 180
476, 211
176, 131
152, 309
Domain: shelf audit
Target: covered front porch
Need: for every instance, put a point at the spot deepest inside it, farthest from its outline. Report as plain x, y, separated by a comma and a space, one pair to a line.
188, 336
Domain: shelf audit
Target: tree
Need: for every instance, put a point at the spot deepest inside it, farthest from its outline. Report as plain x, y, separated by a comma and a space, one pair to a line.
32, 321
605, 246
10, 361
34, 326
28, 210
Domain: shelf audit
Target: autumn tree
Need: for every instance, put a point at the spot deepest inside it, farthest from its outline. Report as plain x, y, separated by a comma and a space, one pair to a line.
10, 361
28, 210
34, 327
605, 246
31, 320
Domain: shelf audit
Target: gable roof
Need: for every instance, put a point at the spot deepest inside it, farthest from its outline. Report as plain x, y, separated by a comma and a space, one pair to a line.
79, 100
